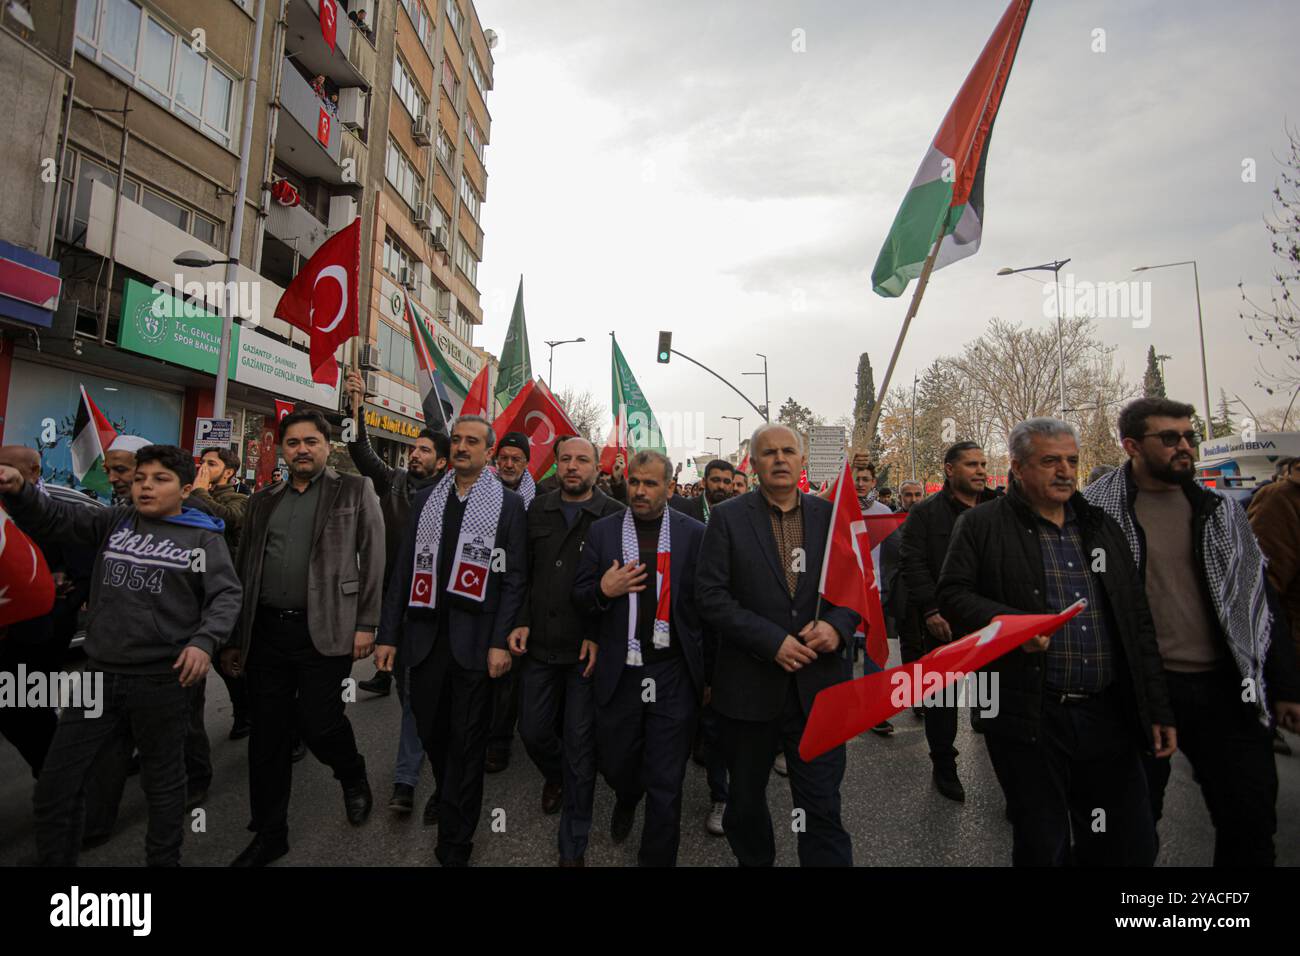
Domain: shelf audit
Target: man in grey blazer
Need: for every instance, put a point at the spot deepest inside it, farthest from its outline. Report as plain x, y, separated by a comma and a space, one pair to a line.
311, 559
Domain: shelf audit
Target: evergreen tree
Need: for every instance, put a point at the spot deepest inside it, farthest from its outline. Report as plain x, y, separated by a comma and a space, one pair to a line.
864, 403
1153, 383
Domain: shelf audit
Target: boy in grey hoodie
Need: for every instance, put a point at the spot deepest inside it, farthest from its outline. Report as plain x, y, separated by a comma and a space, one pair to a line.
164, 598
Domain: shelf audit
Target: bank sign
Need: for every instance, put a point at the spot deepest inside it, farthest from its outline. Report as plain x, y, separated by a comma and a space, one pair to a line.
164, 326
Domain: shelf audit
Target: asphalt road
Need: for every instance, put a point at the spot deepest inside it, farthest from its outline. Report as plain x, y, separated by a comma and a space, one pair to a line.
891, 809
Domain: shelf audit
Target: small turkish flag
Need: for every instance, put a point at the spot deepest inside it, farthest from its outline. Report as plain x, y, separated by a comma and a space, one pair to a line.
472, 581
804, 486
282, 409
421, 587
323, 300
847, 709
329, 22
536, 413
477, 401
323, 128
26, 587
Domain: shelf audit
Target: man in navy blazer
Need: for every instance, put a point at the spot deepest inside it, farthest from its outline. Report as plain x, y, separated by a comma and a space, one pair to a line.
757, 588
453, 648
650, 661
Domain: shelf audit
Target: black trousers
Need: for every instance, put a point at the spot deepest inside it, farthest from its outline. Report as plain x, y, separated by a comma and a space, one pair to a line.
815, 787
505, 711
198, 750
154, 709
643, 746
940, 721
1082, 780
1231, 753
557, 697
292, 689
452, 709
33, 645
911, 643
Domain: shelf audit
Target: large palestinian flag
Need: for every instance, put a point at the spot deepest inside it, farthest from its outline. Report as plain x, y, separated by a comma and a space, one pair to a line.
91, 435
947, 195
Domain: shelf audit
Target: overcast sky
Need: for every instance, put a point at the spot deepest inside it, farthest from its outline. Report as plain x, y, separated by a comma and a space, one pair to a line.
678, 166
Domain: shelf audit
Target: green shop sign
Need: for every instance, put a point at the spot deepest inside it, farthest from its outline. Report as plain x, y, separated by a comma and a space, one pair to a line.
165, 326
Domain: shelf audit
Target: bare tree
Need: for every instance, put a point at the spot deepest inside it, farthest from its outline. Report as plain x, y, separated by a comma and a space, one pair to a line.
585, 411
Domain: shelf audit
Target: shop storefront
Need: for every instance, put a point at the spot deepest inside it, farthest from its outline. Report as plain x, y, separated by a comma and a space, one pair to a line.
392, 435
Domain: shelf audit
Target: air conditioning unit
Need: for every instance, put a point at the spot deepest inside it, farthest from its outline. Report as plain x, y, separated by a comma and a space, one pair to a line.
409, 277
352, 107
422, 131
439, 239
432, 216
370, 356
343, 210
373, 381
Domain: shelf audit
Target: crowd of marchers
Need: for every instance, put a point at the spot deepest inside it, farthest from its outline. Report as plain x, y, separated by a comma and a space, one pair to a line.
619, 628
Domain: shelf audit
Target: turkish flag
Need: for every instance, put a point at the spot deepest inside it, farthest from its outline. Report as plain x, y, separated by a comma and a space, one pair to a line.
267, 455
536, 413
329, 22
323, 300
477, 401
847, 709
26, 587
282, 409
473, 580
323, 128
615, 445
804, 486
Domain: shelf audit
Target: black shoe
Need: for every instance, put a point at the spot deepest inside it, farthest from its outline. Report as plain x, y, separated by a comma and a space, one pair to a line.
380, 684
552, 798
948, 784
918, 713
261, 852
884, 728
194, 797
497, 760
241, 728
431, 811
299, 751
403, 798
357, 801
620, 823
92, 840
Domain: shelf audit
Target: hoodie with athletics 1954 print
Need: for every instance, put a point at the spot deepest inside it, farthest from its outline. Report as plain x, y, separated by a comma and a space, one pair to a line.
159, 585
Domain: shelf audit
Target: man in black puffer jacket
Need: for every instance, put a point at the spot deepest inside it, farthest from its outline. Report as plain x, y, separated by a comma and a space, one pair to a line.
1076, 710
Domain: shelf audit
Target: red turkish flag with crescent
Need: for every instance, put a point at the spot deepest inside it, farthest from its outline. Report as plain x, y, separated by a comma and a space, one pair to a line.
323, 300
323, 127
26, 587
281, 410
329, 22
536, 413
478, 400
847, 709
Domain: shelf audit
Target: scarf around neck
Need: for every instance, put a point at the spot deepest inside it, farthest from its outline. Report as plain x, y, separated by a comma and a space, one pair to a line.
663, 564
469, 571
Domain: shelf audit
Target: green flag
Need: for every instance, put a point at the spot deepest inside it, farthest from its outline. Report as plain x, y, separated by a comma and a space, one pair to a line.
630, 408
516, 368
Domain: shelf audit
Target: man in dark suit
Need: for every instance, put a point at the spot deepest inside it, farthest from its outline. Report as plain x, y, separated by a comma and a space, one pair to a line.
311, 559
452, 599
555, 656
637, 578
757, 585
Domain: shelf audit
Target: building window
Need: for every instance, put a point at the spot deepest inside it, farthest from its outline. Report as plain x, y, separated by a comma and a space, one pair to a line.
469, 195
166, 210
444, 148
450, 82
406, 89
420, 20
397, 260
474, 136
454, 17
395, 353
476, 71
403, 176
468, 264
139, 48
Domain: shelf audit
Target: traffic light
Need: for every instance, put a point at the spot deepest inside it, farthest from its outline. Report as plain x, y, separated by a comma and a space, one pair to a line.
665, 347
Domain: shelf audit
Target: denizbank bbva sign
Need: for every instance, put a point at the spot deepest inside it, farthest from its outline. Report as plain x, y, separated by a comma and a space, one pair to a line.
159, 324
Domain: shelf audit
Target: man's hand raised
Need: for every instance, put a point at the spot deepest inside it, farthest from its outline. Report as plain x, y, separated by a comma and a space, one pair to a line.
11, 480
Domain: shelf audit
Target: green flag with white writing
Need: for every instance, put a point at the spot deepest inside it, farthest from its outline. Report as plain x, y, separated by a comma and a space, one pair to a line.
631, 409
516, 369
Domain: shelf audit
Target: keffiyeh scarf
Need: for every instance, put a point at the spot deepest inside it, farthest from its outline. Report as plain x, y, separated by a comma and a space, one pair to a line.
663, 562
478, 531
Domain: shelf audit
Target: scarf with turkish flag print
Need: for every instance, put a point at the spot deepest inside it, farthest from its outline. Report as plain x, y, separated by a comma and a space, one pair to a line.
848, 574
323, 300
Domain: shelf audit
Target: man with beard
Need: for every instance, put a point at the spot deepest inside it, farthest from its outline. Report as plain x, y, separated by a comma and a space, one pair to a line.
864, 483
922, 546
512, 456
426, 463
718, 481
119, 465
739, 483
453, 597
555, 655
637, 582
1204, 577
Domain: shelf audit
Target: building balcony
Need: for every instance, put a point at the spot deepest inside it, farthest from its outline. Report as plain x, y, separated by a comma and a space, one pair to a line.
346, 64
309, 137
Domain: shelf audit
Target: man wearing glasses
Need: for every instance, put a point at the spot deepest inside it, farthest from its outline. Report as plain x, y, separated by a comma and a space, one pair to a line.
1204, 578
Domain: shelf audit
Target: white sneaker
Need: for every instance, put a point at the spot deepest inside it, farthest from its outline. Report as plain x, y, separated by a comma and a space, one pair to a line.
779, 765
714, 823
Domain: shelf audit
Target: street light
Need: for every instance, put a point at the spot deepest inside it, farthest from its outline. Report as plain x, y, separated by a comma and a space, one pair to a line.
1200, 327
550, 360
737, 419
718, 440
767, 408
1053, 267
191, 259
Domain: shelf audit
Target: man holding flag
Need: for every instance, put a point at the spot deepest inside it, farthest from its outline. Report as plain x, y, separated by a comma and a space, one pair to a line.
779, 645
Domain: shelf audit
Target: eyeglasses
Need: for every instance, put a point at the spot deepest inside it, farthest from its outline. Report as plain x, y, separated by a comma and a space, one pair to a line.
1170, 439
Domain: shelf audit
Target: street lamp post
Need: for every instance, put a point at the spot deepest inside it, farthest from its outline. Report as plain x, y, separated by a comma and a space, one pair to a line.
550, 359
1200, 328
197, 260
718, 440
1053, 267
767, 407
737, 419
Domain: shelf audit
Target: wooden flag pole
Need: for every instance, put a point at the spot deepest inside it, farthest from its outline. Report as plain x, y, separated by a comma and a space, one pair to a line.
922, 281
